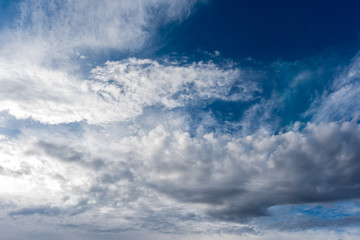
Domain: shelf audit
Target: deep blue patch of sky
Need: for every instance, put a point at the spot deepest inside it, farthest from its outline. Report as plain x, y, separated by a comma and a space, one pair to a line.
268, 30
8, 10
305, 216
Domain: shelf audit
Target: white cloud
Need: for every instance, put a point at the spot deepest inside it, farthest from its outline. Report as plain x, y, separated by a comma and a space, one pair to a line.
342, 100
122, 25
147, 82
118, 91
43, 54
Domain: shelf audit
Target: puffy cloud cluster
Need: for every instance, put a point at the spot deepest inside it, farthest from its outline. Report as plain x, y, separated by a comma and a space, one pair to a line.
185, 181
240, 178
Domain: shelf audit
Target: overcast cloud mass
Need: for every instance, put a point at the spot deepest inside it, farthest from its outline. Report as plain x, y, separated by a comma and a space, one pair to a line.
154, 119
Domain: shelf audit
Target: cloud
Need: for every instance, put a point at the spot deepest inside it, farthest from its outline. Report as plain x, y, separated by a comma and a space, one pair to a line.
341, 101
240, 178
117, 91
167, 175
148, 83
44, 64
63, 153
43, 210
121, 25
157, 159
153, 145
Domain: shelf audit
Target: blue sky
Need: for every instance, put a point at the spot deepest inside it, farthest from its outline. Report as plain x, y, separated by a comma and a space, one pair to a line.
196, 119
267, 31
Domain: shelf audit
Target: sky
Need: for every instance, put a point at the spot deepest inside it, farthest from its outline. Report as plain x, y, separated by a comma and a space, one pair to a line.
182, 119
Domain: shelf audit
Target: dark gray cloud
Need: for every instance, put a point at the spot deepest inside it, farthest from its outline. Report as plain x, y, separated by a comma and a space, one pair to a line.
68, 154
51, 211
198, 194
94, 229
41, 210
63, 153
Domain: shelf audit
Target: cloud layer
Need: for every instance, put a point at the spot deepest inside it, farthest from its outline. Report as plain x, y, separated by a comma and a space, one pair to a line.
140, 147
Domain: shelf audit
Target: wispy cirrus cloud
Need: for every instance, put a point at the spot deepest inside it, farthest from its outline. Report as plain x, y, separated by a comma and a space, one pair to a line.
69, 25
341, 101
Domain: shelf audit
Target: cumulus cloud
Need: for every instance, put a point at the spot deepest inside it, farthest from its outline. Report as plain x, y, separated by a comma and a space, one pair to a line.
241, 178
182, 183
